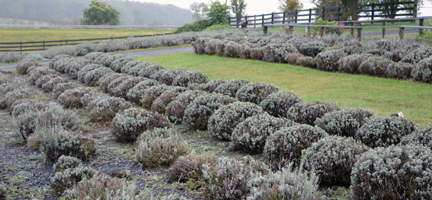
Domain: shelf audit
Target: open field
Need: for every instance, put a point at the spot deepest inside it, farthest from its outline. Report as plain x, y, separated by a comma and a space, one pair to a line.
37, 34
384, 96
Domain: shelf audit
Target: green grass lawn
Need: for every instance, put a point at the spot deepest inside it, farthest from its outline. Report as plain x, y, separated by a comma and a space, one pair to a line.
39, 34
384, 96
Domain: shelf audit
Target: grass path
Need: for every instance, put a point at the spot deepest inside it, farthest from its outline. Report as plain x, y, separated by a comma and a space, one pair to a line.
384, 96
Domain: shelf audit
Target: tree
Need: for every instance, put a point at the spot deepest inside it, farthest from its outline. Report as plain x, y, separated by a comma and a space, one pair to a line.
290, 5
218, 13
238, 7
138, 18
100, 13
198, 10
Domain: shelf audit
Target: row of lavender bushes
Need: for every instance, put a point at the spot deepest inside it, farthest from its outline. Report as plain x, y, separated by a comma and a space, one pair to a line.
388, 58
258, 118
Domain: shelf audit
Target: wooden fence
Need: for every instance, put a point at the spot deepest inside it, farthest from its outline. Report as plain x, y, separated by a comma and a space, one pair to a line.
44, 45
370, 11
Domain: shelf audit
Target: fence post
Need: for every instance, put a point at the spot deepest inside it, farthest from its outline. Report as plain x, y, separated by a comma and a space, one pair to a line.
112, 39
384, 32
421, 23
373, 12
265, 29
272, 21
415, 8
401, 33
339, 14
309, 31
392, 10
262, 20
283, 19
254, 21
359, 33
43, 45
352, 29
310, 15
291, 30
21, 47
322, 33
323, 13
66, 42
237, 22
296, 16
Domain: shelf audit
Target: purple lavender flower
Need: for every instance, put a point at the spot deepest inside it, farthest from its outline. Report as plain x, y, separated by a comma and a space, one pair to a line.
140, 167
181, 175
286, 167
108, 184
291, 154
321, 171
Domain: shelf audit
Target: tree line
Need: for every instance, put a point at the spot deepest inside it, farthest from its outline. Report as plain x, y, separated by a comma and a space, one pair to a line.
132, 13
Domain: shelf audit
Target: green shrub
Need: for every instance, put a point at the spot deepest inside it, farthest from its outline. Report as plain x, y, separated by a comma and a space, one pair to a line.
351, 63
210, 47
167, 76
385, 131
152, 93
404, 170
306, 112
49, 85
116, 82
61, 64
198, 112
22, 67
419, 137
71, 98
306, 61
123, 88
333, 157
66, 162
312, 48
11, 98
231, 88
86, 71
223, 121
61, 87
328, 60
415, 56
423, 71
293, 57
251, 134
278, 103
92, 77
137, 92
159, 104
72, 68
189, 77
374, 66
30, 105
195, 27
212, 85
119, 63
55, 142
255, 92
126, 67
106, 79
399, 70
93, 55
146, 71
285, 184
328, 30
106, 109
162, 150
34, 56
175, 109
127, 125
277, 52
286, 144
218, 27
45, 78
345, 122
228, 178
190, 168
66, 179
86, 48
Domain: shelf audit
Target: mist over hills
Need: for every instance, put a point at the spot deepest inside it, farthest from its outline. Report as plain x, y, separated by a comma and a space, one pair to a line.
56, 10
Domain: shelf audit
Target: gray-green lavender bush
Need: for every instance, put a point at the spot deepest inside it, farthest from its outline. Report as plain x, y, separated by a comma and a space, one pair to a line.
374, 66
167, 76
106, 108
22, 67
189, 77
118, 64
276, 52
251, 134
312, 48
93, 55
345, 122
278, 103
198, 112
417, 55
106, 79
306, 112
29, 105
49, 85
61, 87
328, 60
212, 85
126, 67
351, 63
147, 71
231, 87
223, 121
38, 72
395, 172
255, 92
399, 70
159, 104
333, 157
73, 67
123, 88
66, 162
86, 70
66, 179
45, 78
72, 97
138, 91
385, 131
419, 137
92, 77
10, 57
10, 99
423, 71
152, 93
54, 51
175, 109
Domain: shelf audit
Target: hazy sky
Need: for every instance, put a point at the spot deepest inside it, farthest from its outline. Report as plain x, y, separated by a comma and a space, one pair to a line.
256, 7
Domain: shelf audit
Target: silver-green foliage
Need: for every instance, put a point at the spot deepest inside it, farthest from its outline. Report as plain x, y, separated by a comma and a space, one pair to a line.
86, 70
106, 108
417, 55
66, 162
222, 123
423, 137
72, 97
54, 51
93, 55
38, 72
186, 78
231, 87
117, 64
66, 179
345, 122
312, 48
85, 48
395, 172
175, 109
28, 106
328, 60
148, 71
278, 103
286, 144
167, 76
22, 67
61, 64
400, 70
11, 98
251, 134
333, 157
73, 67
137, 92
351, 63
45, 78
276, 52
10, 57
306, 112
106, 79
122, 89
61, 87
385, 131
92, 77
126, 67
212, 85
423, 71
374, 66
199, 111
255, 92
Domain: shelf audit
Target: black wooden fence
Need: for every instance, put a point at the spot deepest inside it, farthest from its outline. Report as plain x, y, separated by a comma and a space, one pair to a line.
44, 45
370, 11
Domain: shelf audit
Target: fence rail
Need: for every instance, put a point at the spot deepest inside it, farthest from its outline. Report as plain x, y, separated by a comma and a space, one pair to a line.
370, 11
36, 46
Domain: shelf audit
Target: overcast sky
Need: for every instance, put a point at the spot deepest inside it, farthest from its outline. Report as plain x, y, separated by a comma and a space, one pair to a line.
256, 7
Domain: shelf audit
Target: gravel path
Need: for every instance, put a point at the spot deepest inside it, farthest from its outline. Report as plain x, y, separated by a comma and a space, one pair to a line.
129, 55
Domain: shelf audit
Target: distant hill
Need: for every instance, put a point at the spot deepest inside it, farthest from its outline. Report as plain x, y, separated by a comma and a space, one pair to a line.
56, 10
